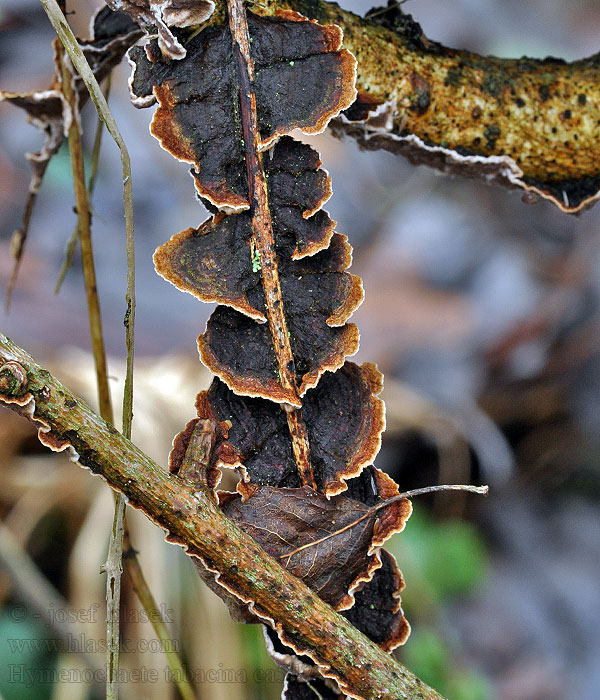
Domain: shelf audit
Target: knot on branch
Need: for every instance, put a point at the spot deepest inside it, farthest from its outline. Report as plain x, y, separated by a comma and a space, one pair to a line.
13, 379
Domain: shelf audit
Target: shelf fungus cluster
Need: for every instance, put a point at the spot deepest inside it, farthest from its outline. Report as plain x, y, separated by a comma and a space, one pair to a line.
300, 423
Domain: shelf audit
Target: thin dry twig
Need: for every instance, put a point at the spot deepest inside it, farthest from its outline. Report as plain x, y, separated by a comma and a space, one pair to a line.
85, 237
263, 242
113, 569
384, 10
19, 238
482, 490
74, 237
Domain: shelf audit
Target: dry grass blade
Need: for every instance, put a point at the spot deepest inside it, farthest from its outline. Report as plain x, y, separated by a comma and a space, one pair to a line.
34, 589
140, 586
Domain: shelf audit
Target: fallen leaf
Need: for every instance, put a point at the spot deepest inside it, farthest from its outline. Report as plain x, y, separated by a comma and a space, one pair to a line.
284, 520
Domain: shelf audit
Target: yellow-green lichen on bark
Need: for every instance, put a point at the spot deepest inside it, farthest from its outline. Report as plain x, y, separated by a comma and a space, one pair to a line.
529, 123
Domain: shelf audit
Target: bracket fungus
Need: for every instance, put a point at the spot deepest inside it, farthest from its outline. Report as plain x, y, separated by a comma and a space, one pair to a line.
300, 423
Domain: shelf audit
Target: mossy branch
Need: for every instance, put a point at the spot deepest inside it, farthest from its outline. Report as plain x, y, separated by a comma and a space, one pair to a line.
194, 521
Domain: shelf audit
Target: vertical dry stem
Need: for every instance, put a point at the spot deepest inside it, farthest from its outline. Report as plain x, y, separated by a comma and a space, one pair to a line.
263, 238
87, 253
72, 242
113, 567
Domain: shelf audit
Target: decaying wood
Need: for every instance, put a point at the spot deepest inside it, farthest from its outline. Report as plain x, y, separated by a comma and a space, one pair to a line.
525, 123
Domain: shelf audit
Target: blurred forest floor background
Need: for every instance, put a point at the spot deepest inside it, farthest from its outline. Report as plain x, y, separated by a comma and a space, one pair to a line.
482, 311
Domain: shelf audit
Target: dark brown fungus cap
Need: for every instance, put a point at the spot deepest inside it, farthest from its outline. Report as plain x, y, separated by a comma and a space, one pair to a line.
344, 420
302, 80
318, 297
376, 611
258, 439
373, 486
215, 262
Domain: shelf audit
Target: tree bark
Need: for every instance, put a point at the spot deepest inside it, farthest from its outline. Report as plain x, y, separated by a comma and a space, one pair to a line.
528, 123
192, 520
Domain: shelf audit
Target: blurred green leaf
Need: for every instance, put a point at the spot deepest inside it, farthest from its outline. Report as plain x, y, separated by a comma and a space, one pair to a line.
466, 685
24, 656
455, 559
438, 560
428, 657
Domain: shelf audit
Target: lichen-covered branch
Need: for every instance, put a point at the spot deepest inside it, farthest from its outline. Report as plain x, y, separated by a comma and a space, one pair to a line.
194, 521
525, 122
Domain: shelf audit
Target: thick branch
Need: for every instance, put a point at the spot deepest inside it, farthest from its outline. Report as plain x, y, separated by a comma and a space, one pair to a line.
193, 521
526, 122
